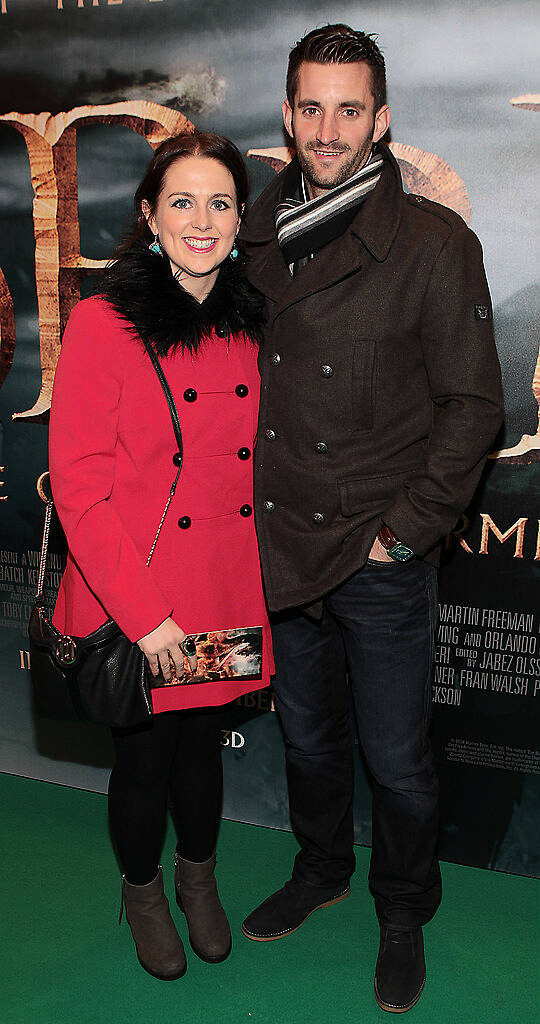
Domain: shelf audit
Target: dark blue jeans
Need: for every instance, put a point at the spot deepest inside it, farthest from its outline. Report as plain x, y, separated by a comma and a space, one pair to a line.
378, 627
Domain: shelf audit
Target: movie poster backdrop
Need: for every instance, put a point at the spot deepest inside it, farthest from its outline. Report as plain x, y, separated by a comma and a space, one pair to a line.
88, 87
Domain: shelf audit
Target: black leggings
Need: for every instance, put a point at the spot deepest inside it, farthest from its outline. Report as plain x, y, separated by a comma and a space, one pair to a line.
177, 752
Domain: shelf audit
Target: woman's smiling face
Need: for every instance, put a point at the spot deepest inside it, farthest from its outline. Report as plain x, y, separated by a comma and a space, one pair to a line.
197, 219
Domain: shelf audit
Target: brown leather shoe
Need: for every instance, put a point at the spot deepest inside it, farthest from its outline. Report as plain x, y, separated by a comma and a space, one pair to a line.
159, 947
197, 896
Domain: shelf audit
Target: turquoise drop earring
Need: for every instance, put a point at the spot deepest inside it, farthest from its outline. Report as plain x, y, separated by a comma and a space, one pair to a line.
234, 252
155, 246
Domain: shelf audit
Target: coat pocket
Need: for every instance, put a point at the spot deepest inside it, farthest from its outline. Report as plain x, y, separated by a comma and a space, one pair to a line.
363, 494
363, 385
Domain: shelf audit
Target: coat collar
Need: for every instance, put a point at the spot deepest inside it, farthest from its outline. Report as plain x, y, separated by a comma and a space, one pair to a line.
373, 229
140, 287
377, 221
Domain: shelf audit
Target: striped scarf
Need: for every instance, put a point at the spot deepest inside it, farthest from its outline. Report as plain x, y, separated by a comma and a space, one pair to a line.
303, 226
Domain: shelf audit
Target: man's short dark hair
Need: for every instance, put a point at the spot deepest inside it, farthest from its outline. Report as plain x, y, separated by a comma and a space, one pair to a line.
338, 44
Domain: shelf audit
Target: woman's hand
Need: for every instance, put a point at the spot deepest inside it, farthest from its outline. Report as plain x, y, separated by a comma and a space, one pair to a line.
161, 648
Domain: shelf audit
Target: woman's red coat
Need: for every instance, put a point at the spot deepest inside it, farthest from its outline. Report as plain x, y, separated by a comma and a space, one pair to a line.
111, 449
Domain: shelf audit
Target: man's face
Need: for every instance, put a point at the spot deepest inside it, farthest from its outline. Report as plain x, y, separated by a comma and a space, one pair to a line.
333, 123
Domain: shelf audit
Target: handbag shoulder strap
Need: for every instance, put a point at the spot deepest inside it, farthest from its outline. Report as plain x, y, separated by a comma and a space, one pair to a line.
170, 401
49, 506
178, 462
178, 458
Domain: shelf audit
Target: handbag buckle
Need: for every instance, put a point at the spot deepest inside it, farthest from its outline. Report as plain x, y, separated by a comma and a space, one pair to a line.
66, 650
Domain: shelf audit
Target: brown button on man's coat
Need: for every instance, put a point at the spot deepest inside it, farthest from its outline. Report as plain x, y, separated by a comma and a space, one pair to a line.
381, 392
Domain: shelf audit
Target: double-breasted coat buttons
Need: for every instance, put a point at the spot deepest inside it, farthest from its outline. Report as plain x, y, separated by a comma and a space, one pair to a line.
190, 395
326, 371
243, 454
246, 511
241, 390
177, 459
184, 522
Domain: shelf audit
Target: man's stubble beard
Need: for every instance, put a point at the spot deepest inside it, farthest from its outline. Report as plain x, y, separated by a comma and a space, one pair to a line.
353, 164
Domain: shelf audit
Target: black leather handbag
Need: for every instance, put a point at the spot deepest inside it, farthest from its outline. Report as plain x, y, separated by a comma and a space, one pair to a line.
102, 677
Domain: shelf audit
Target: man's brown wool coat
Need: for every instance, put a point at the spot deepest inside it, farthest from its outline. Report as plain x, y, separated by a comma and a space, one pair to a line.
381, 391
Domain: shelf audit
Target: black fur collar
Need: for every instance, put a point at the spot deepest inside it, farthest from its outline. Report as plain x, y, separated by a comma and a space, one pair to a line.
141, 289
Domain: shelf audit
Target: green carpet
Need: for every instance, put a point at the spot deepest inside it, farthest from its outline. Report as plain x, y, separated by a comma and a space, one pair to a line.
64, 959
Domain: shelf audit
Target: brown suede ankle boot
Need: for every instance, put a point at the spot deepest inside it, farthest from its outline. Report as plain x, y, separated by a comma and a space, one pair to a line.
197, 896
159, 947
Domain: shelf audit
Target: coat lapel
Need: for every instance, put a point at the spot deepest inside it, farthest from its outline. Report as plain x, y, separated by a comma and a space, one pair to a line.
268, 271
270, 274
